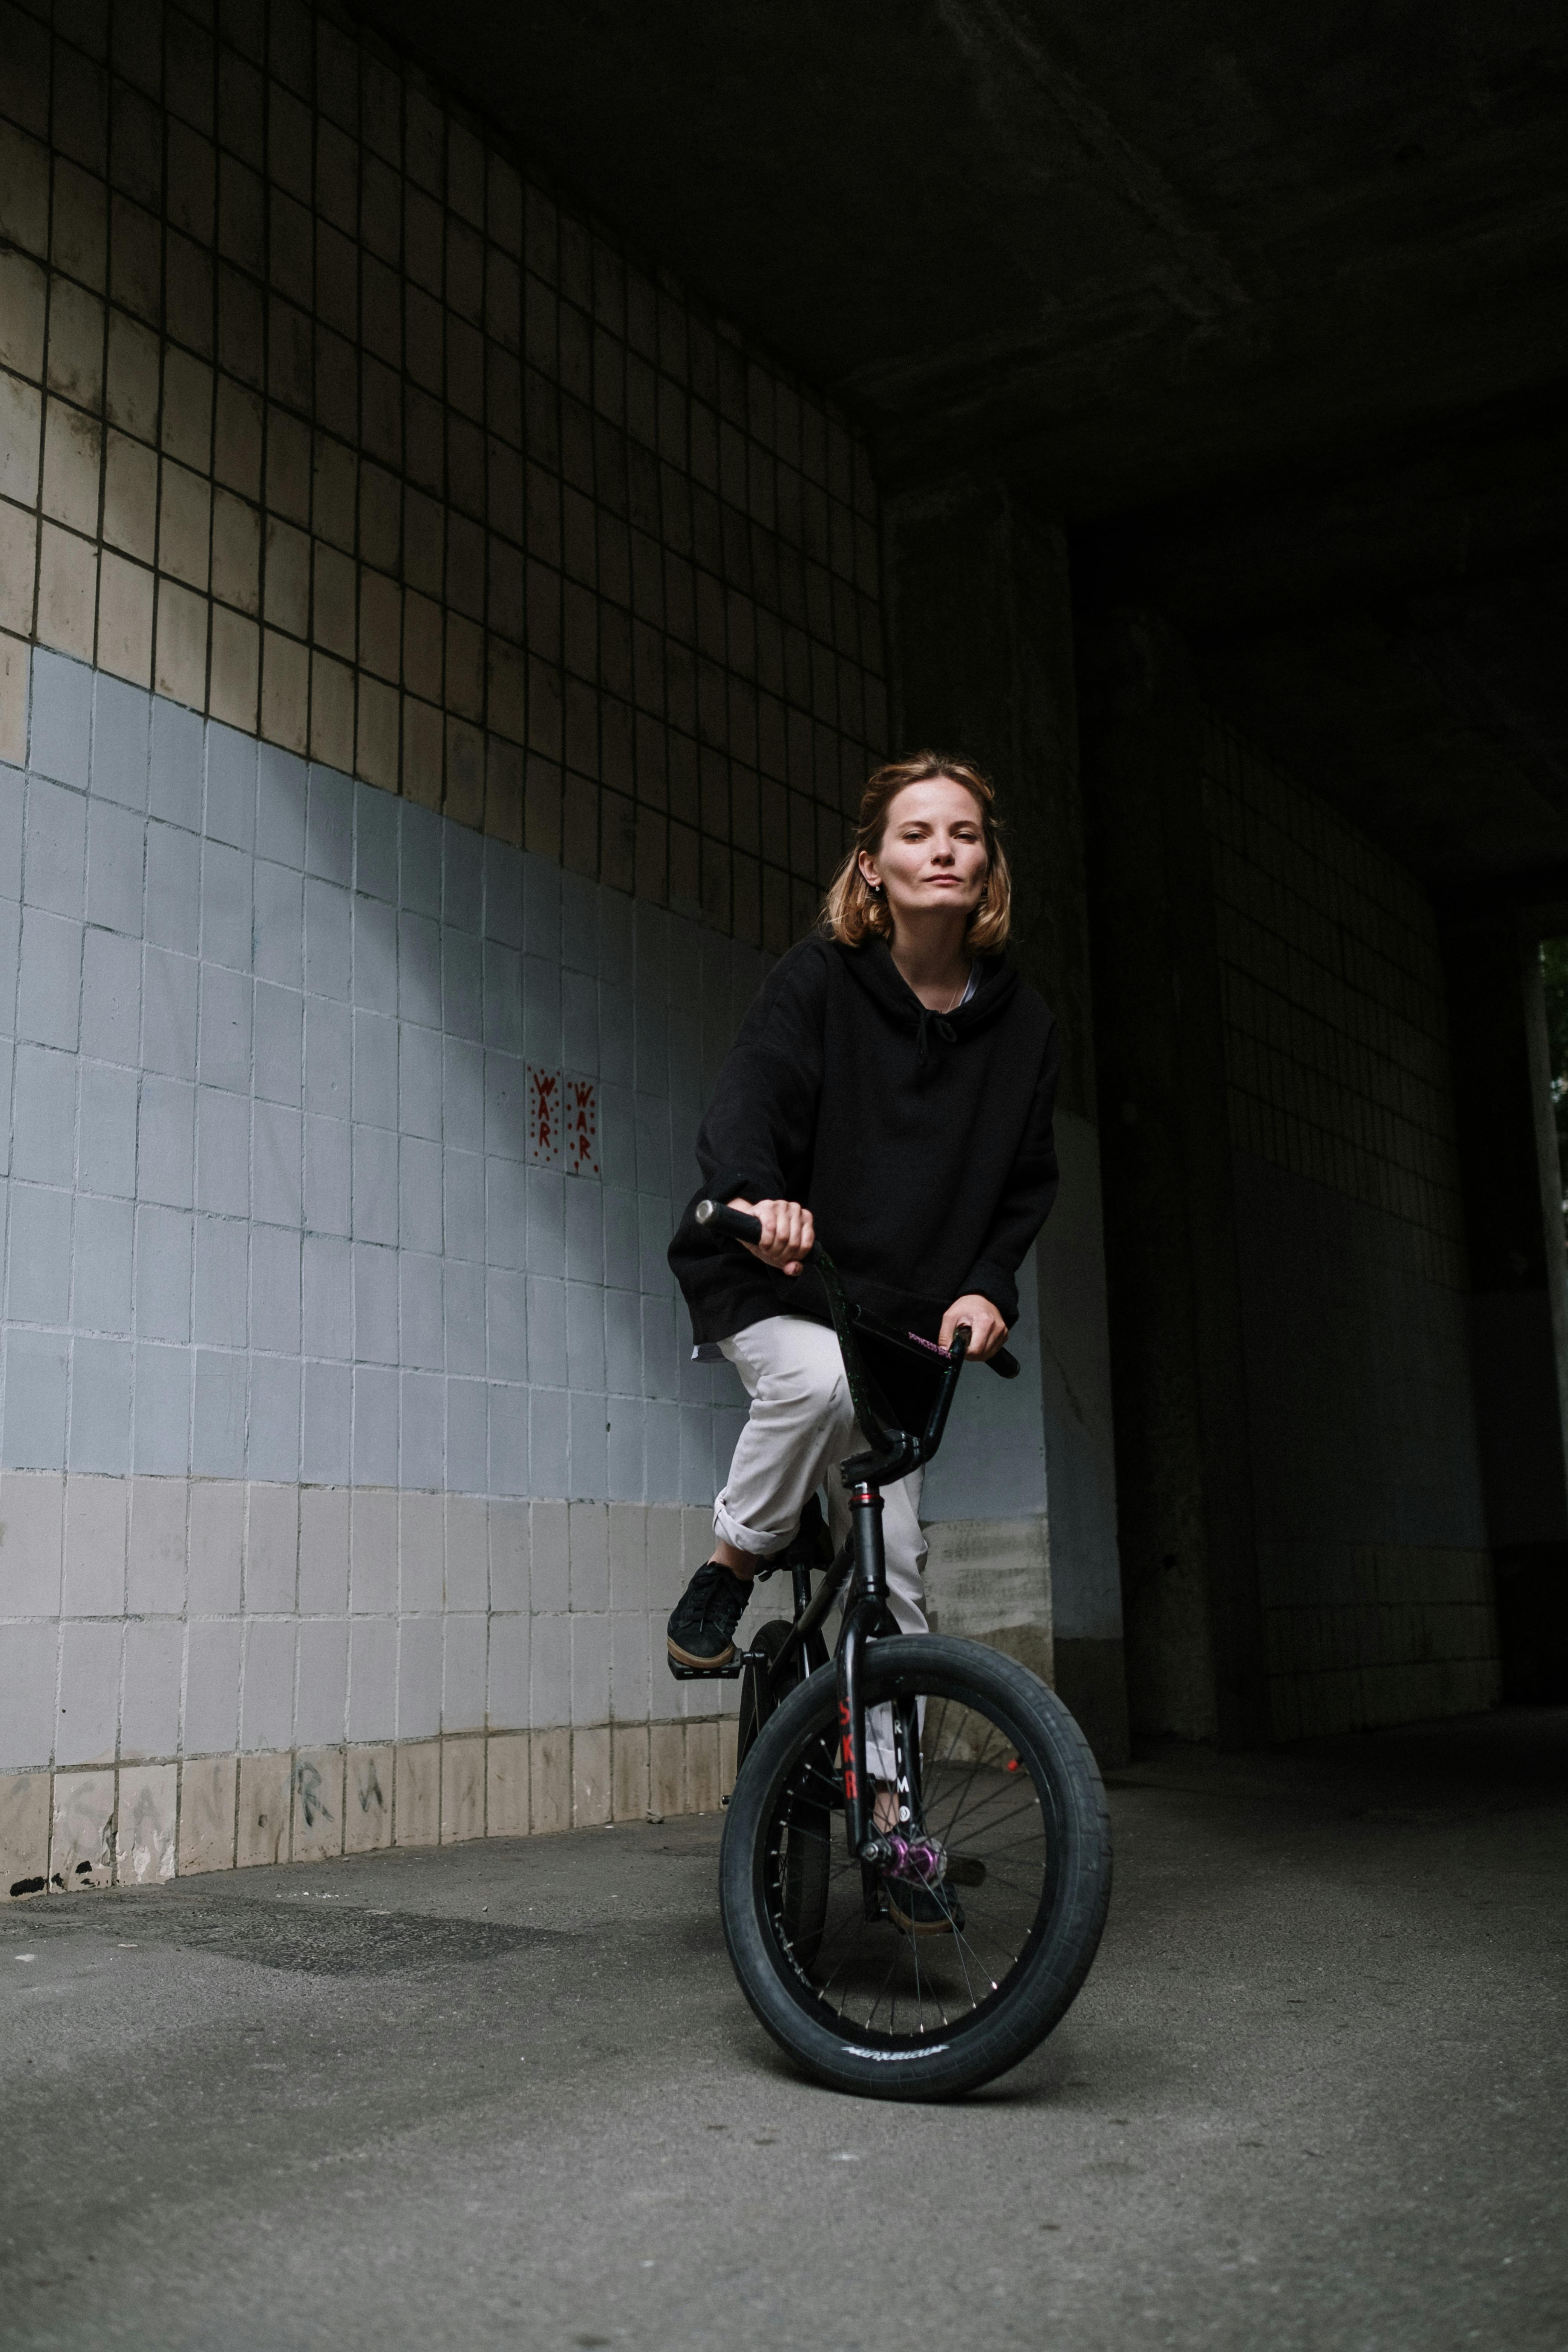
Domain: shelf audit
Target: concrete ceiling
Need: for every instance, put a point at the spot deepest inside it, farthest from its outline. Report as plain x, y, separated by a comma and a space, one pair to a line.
1266, 303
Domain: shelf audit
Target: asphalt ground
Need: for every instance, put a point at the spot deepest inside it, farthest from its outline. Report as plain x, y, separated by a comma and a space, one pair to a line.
1313, 2095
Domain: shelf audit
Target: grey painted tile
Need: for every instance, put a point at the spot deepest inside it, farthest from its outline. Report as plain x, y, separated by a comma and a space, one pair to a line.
112, 998
328, 827
421, 1455
419, 969
272, 1444
223, 1053
328, 1296
106, 1145
101, 1405
421, 1324
279, 926
115, 867
54, 859
175, 787
43, 1147
547, 1333
420, 1678
505, 1106
617, 939
169, 989
326, 1422
503, 998
326, 1175
662, 1424
173, 903
36, 1365
622, 1343
618, 1136
419, 1195
160, 1436
468, 1437
217, 1432
231, 786
503, 893
328, 940
38, 1288
10, 959
376, 830
223, 1152
373, 1678
421, 859
509, 1424
375, 1425
279, 1027
226, 914
101, 1240
329, 1056
464, 1211
463, 1096
376, 1204
462, 879
150, 1707
121, 740
586, 1339
163, 1285
628, 1474
506, 1316
220, 1310
59, 730
547, 1441
506, 1214
463, 1692
462, 991
48, 992
419, 1081
274, 1294
375, 956
541, 908
277, 1173
376, 1305
464, 1286
541, 1011
623, 1247
546, 1249
374, 1069
30, 1667
280, 806
584, 1205
323, 1704
13, 812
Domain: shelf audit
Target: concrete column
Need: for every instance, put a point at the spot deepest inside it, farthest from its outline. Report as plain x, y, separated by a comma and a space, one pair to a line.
1194, 1626
1519, 1306
978, 609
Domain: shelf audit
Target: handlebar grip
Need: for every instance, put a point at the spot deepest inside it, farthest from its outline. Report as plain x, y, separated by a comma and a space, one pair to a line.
718, 1219
1006, 1366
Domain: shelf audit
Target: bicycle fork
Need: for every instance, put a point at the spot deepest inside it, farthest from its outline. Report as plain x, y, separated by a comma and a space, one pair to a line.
866, 1615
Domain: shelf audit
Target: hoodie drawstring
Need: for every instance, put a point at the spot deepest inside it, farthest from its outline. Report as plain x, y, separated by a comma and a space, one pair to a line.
928, 1021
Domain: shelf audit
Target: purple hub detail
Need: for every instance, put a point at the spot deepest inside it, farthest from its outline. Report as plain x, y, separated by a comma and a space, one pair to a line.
916, 1858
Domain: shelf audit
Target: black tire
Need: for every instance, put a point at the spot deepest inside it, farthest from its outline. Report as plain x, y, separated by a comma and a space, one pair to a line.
758, 1697
1012, 1743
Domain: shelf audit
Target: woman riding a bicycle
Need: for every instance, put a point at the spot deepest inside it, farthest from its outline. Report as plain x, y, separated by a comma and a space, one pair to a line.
891, 1090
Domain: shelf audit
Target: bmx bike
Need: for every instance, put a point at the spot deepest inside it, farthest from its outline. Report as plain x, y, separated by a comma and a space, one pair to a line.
935, 1935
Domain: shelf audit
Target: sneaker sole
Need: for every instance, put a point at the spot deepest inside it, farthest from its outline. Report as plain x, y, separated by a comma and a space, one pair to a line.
685, 1658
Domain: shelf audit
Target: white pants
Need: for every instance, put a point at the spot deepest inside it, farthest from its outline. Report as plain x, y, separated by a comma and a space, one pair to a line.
800, 1427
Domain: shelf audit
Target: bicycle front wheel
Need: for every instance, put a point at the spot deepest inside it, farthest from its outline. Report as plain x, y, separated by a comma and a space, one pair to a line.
932, 1974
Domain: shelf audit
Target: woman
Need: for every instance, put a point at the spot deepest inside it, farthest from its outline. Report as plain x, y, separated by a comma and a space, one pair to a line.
891, 1087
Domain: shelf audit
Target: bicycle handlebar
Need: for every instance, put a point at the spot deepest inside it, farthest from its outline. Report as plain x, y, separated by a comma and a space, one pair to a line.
714, 1217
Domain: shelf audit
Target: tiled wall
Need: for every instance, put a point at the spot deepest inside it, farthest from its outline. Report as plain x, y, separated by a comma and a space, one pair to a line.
1370, 1527
317, 417
436, 658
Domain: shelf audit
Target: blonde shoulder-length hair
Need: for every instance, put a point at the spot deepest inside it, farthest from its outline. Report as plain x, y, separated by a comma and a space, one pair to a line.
852, 911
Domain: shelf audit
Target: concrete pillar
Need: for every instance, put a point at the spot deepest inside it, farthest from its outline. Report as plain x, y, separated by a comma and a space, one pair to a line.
1519, 1306
978, 611
1193, 1625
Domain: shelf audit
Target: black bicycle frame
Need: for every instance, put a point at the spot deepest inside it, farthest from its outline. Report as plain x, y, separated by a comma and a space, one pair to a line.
891, 1455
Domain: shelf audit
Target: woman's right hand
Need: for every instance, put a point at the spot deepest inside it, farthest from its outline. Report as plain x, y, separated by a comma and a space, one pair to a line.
788, 1233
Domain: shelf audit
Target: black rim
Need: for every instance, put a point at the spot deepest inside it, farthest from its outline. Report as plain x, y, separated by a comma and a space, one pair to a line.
884, 1960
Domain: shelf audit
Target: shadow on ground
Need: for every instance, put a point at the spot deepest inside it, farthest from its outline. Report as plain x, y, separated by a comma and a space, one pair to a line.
508, 2094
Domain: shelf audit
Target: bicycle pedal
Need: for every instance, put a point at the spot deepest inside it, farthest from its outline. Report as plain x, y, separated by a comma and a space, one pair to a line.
730, 1673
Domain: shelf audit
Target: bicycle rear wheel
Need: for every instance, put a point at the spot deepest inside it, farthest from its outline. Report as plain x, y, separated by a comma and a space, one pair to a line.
926, 1978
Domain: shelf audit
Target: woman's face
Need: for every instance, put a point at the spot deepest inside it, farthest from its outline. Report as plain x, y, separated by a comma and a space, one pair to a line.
931, 855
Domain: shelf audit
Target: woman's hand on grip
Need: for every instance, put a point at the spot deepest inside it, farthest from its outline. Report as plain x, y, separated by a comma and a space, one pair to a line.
788, 1234
988, 1328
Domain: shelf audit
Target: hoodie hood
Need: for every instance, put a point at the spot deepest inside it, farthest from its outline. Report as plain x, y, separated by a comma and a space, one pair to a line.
873, 968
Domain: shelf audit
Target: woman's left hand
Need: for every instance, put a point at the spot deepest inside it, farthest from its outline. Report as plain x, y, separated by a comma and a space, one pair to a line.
987, 1328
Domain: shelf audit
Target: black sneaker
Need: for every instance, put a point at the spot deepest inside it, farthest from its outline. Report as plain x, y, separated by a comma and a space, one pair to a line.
702, 1628
921, 1910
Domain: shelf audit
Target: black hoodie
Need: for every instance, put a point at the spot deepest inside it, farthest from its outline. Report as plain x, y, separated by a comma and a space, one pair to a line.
920, 1143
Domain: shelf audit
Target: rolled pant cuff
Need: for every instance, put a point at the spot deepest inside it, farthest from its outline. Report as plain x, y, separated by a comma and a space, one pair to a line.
761, 1545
